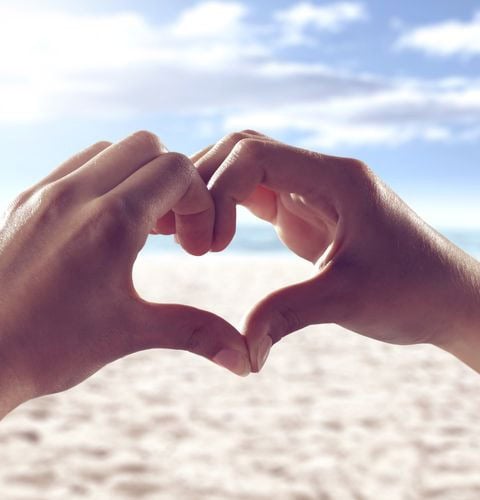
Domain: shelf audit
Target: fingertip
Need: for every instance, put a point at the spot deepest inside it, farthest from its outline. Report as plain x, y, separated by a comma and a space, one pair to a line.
258, 339
234, 361
219, 245
197, 250
225, 219
259, 350
149, 140
225, 226
195, 232
263, 352
174, 326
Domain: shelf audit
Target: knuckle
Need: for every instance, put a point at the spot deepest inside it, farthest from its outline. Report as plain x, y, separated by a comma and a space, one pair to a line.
235, 137
111, 222
358, 179
178, 161
54, 200
60, 194
358, 166
178, 165
249, 131
19, 201
146, 140
249, 147
117, 209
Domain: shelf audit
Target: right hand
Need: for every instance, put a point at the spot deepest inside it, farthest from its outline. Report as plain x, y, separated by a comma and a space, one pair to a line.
380, 270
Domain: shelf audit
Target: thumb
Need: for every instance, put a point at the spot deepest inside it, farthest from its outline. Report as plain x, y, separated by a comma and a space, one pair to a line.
173, 326
289, 309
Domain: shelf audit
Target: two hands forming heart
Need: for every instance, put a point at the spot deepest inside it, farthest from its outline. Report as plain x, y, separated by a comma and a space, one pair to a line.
67, 248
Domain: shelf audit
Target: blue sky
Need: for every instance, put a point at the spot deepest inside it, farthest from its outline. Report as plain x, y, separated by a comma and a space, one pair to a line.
396, 84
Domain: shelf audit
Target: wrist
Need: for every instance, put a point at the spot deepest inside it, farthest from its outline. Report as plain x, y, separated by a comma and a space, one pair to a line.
465, 345
10, 390
13, 391
462, 339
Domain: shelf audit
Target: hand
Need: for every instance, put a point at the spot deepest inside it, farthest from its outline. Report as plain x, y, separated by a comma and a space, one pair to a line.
379, 269
67, 248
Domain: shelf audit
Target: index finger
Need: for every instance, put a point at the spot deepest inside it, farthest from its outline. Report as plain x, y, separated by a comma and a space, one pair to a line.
208, 159
283, 169
169, 182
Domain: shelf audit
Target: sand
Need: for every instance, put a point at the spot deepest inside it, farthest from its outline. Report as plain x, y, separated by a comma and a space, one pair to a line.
332, 416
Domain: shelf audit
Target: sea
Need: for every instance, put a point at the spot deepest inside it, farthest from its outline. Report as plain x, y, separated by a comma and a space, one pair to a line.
261, 239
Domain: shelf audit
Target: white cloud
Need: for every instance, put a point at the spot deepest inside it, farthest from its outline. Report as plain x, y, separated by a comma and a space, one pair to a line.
211, 19
62, 64
119, 65
55, 63
61, 42
398, 112
447, 38
300, 17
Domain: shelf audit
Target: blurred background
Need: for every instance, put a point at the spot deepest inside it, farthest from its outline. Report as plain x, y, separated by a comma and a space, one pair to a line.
333, 415
395, 84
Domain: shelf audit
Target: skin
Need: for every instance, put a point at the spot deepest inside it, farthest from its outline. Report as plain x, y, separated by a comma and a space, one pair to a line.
378, 268
68, 244
67, 248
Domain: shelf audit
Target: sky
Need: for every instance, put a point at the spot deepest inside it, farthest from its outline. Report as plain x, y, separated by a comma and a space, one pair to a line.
395, 84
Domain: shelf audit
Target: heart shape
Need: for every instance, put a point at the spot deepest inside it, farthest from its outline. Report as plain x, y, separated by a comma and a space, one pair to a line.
75, 235
235, 173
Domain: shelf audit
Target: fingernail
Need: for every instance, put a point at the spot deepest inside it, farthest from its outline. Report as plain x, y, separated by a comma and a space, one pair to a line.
243, 323
263, 351
234, 361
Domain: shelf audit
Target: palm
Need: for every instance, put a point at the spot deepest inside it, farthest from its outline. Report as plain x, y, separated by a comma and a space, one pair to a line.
304, 227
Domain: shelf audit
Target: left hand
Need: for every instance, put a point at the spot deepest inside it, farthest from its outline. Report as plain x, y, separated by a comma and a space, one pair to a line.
380, 270
67, 247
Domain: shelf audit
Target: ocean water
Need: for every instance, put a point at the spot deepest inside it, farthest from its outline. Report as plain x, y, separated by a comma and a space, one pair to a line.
261, 239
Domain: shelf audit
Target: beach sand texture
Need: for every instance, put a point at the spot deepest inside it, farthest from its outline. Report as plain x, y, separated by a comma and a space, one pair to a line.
332, 416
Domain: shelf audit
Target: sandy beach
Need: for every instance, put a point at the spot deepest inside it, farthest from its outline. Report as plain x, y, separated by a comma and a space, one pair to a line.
333, 416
